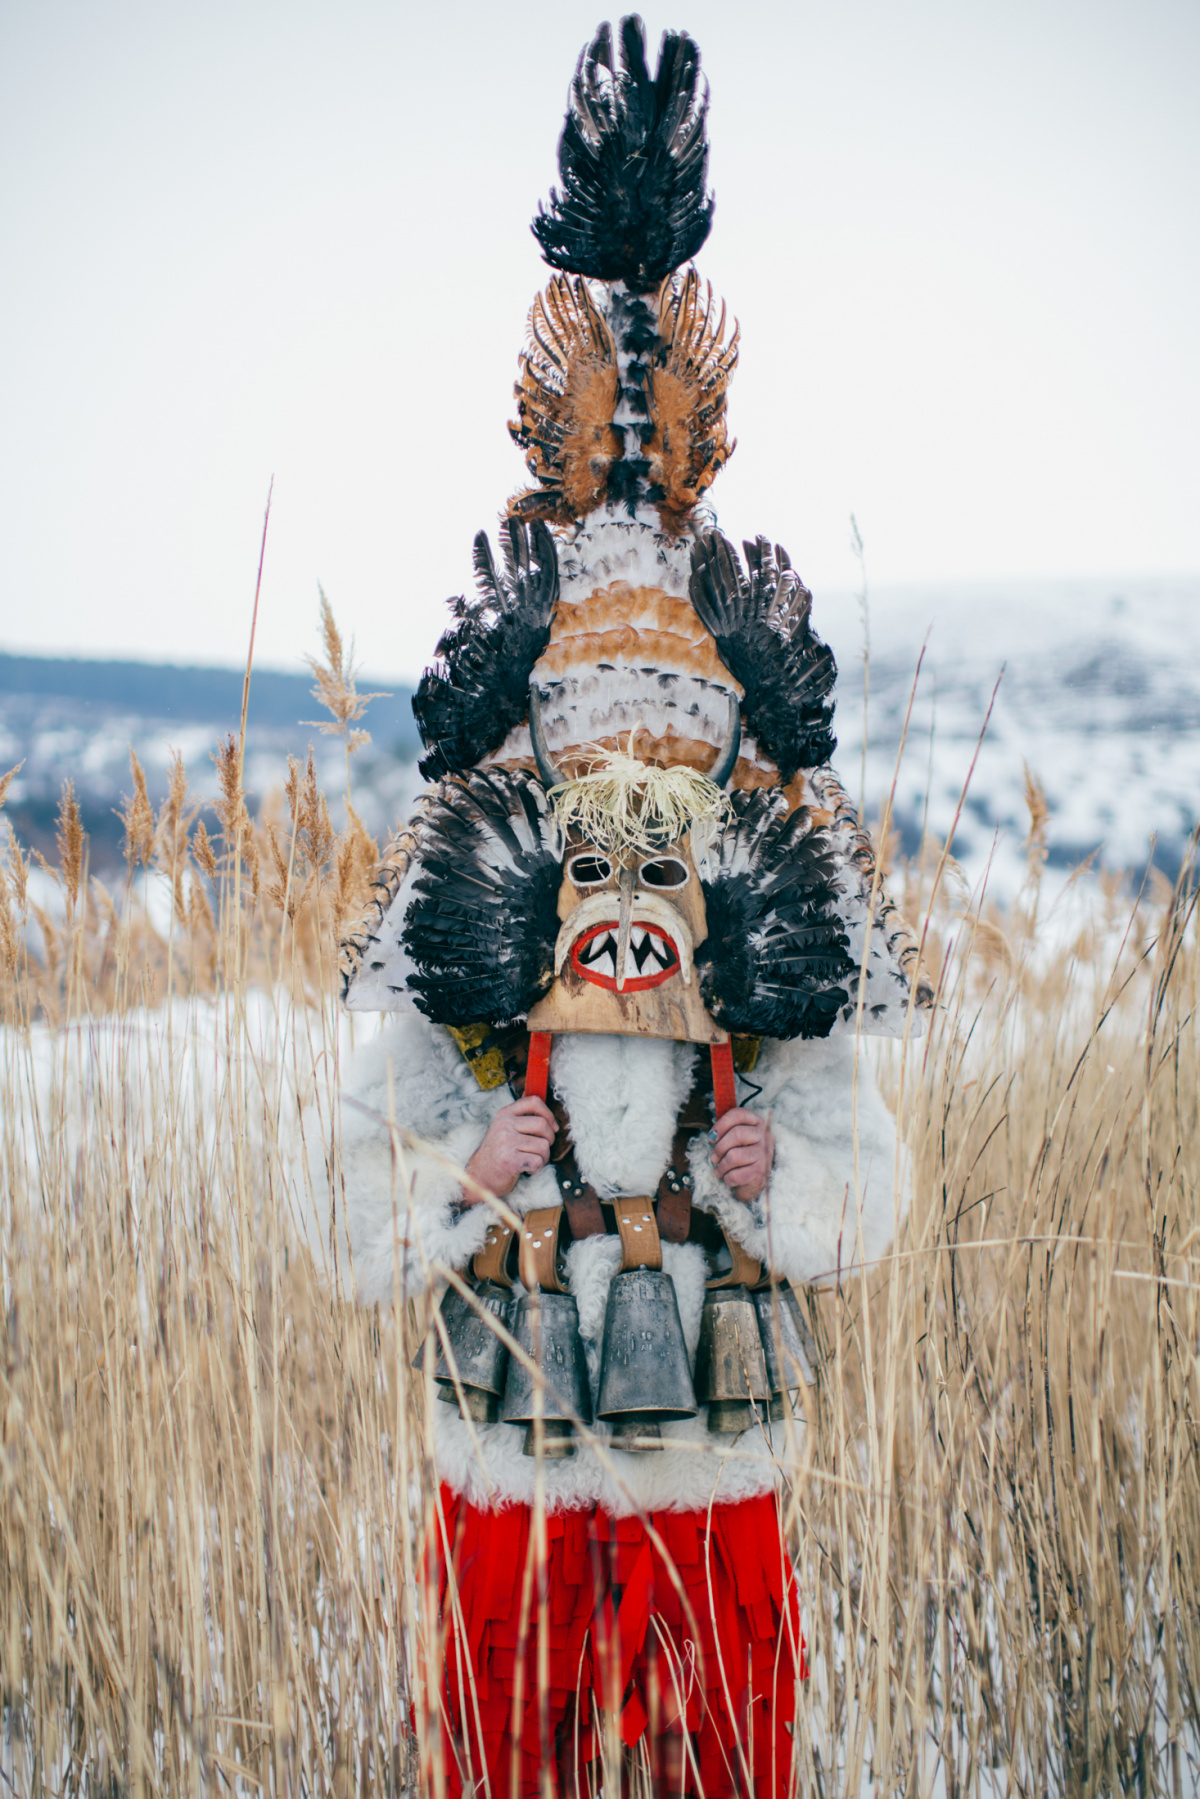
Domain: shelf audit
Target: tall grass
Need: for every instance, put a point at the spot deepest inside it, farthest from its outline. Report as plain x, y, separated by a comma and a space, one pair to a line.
214, 1476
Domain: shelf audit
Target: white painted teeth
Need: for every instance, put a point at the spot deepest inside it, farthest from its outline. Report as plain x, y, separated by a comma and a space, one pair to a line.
601, 954
599, 946
647, 954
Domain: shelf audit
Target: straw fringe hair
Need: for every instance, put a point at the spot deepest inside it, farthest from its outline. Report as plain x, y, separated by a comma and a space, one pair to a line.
622, 803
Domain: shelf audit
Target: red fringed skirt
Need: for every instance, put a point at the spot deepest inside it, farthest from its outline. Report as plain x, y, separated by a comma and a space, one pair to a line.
687, 1638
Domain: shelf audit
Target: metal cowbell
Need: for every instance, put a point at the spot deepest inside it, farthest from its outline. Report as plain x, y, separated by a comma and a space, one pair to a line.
645, 1380
547, 1329
731, 1371
788, 1346
476, 1352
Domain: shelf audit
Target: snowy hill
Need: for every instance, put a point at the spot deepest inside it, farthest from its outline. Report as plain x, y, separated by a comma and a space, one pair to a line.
76, 719
1099, 693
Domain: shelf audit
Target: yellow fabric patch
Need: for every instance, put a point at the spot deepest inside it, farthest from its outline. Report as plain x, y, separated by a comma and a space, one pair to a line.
481, 1052
745, 1053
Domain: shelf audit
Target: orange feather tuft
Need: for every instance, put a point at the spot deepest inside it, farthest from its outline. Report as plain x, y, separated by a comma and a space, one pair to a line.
686, 393
566, 398
640, 625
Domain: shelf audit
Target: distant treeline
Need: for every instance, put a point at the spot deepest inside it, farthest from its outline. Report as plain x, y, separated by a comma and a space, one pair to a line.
153, 690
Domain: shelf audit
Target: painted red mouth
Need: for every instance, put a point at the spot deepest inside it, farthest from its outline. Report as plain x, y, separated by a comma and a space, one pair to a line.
650, 959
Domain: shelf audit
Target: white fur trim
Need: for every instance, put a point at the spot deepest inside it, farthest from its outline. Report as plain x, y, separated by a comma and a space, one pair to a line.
806, 1227
399, 1211
623, 1095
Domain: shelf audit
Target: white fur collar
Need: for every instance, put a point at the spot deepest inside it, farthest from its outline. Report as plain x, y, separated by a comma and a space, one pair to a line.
623, 1096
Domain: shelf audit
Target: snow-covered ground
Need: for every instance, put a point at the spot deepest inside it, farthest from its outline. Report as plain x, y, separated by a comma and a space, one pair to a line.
177, 1074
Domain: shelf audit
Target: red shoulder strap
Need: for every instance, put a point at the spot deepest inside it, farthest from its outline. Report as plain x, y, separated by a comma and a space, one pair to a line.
724, 1081
537, 1069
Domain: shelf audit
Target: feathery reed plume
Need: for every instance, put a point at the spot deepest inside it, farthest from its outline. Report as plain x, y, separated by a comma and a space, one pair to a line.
10, 937
175, 817
310, 814
622, 803
7, 780
336, 689
202, 850
13, 886
279, 886
292, 878
199, 912
230, 807
18, 868
71, 841
137, 816
355, 859
1039, 815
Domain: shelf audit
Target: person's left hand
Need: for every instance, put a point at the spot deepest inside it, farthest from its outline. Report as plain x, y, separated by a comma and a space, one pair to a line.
743, 1152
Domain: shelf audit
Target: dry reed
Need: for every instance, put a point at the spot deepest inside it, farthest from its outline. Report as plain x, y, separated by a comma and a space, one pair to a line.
336, 688
214, 1477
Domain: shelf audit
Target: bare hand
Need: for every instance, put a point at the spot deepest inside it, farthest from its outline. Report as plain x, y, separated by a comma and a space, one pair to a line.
743, 1152
518, 1142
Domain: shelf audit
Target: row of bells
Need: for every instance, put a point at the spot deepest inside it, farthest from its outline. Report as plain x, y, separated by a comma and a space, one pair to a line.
754, 1348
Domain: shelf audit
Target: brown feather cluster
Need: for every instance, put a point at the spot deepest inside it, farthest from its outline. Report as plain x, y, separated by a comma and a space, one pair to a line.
570, 387
686, 391
566, 399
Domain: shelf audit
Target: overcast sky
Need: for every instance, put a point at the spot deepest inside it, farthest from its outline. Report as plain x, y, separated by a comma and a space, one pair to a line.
243, 240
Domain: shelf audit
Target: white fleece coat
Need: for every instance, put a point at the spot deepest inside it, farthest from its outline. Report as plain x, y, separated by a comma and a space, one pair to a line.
400, 1216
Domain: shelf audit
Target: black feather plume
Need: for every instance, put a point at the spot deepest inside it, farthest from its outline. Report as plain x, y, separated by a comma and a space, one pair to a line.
466, 707
775, 962
483, 919
633, 157
761, 624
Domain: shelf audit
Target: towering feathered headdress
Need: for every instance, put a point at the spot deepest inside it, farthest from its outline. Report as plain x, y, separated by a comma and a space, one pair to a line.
623, 630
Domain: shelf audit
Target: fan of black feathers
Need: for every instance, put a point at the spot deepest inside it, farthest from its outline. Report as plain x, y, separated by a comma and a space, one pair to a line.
467, 706
633, 157
775, 963
483, 919
761, 624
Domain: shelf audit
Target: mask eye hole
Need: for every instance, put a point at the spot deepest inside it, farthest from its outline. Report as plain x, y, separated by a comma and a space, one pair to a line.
664, 871
589, 870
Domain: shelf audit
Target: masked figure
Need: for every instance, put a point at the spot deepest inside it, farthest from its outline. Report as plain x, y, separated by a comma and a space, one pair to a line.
628, 942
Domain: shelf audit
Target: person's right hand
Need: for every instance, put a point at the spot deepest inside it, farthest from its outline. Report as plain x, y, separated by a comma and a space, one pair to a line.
518, 1142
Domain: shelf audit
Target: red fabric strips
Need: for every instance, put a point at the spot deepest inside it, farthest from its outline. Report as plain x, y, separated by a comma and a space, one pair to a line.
690, 1644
